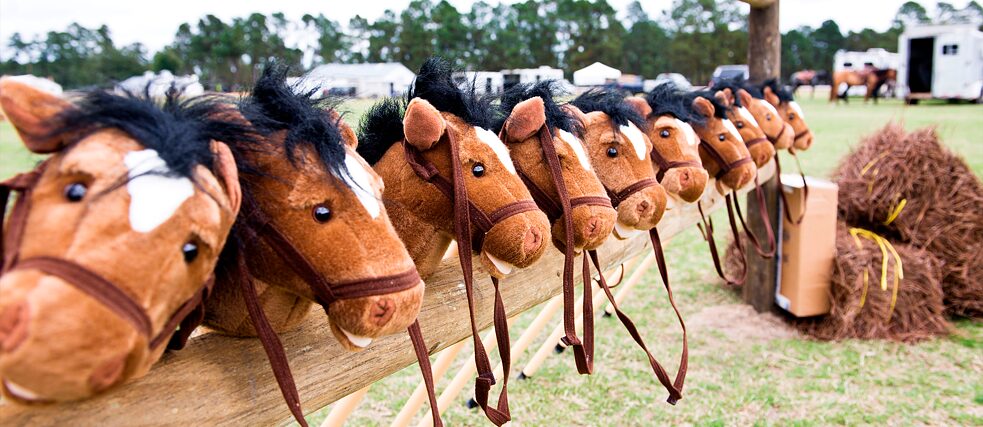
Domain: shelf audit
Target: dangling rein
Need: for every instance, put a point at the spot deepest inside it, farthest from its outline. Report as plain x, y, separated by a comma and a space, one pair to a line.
178, 327
706, 228
584, 350
456, 191
778, 176
256, 225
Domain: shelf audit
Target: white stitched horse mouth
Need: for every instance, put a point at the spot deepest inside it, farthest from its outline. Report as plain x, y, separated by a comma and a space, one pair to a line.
357, 340
20, 392
500, 265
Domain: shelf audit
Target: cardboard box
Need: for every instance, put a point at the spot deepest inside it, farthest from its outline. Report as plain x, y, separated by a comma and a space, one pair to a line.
807, 250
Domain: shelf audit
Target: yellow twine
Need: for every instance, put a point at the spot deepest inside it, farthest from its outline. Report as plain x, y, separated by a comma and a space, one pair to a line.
871, 163
897, 211
885, 247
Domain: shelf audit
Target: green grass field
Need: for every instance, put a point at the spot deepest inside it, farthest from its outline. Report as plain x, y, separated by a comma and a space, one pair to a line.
744, 368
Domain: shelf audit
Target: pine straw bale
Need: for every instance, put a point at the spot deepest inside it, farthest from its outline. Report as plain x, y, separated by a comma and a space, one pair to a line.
918, 313
942, 211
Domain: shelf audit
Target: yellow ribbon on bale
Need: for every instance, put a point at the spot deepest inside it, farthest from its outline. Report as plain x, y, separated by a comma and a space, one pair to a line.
885, 247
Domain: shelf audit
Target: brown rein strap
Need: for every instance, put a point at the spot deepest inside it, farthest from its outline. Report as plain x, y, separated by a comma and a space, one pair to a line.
720, 161
765, 220
774, 140
706, 228
784, 197
187, 316
664, 165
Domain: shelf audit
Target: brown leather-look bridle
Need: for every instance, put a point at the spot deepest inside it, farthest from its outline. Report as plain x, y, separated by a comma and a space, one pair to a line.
584, 349
467, 240
117, 299
665, 165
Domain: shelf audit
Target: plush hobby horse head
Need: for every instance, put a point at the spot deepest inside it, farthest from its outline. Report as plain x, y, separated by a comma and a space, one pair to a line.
528, 110
113, 240
781, 98
306, 184
619, 151
722, 149
769, 120
754, 137
675, 145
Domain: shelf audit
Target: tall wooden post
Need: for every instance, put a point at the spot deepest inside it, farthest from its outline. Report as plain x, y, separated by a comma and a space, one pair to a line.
764, 62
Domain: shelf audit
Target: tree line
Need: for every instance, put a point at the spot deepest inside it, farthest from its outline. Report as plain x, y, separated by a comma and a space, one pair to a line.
691, 38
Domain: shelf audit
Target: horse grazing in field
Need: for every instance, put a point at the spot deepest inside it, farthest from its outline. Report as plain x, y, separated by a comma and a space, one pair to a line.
448, 176
312, 229
111, 245
675, 145
811, 78
871, 78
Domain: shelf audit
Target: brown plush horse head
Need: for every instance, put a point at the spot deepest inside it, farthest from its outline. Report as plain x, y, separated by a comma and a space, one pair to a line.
411, 144
307, 183
754, 137
781, 98
619, 151
722, 149
530, 110
769, 119
114, 238
675, 145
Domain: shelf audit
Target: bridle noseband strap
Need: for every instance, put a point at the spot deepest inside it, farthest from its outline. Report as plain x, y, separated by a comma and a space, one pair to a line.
617, 197
725, 167
664, 164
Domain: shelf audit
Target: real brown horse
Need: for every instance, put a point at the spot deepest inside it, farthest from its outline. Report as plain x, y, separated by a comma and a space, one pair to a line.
871, 78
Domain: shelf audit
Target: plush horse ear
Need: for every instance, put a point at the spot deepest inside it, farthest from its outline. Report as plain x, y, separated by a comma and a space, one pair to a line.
33, 113
771, 96
348, 136
640, 105
745, 96
526, 119
422, 125
576, 113
227, 173
703, 107
722, 97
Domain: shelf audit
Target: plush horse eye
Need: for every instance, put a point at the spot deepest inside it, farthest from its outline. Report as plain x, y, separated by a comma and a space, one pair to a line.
321, 213
664, 133
740, 125
768, 116
478, 170
721, 137
791, 116
612, 152
190, 251
75, 191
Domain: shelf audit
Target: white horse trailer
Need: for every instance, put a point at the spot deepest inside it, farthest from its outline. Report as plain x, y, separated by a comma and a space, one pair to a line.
941, 62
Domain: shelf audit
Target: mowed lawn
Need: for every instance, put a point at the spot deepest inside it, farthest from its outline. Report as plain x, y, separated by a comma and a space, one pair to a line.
744, 368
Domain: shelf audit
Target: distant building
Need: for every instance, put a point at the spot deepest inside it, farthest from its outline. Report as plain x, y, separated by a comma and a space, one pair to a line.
361, 80
490, 82
530, 75
596, 74
158, 84
941, 61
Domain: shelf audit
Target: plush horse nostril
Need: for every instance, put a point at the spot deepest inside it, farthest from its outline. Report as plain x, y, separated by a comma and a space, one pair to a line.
107, 374
14, 320
532, 241
684, 177
643, 206
592, 228
383, 311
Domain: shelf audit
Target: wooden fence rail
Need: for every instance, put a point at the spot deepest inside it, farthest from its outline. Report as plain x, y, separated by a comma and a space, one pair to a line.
218, 379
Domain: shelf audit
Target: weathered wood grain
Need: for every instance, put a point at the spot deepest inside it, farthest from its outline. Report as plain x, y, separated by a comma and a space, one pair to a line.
223, 380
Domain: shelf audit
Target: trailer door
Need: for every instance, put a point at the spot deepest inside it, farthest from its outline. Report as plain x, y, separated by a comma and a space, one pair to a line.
920, 57
954, 65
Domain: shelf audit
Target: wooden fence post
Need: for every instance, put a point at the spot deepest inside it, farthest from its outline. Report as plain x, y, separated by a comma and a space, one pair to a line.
764, 62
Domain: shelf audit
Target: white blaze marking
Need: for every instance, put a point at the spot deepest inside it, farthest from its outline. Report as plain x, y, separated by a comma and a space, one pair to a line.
770, 108
732, 129
154, 197
691, 137
576, 146
795, 106
747, 116
492, 141
361, 185
636, 138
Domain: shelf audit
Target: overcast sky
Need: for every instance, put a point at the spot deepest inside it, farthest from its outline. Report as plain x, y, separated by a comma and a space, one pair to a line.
154, 23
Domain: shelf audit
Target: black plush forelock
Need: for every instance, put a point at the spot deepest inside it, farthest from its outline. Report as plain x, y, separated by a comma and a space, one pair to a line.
435, 84
556, 116
180, 131
612, 103
380, 128
734, 85
719, 109
275, 106
783, 92
668, 99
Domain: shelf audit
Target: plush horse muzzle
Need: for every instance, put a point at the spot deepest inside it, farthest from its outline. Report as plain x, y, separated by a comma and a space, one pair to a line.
591, 226
687, 183
517, 241
356, 322
641, 211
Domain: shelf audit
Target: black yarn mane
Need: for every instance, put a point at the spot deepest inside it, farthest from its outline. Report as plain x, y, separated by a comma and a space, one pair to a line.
783, 92
180, 131
613, 104
668, 99
556, 116
274, 106
719, 109
734, 86
382, 125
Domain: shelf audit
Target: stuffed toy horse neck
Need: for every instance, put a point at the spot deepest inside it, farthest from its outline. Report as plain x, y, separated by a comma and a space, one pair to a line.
112, 242
675, 145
